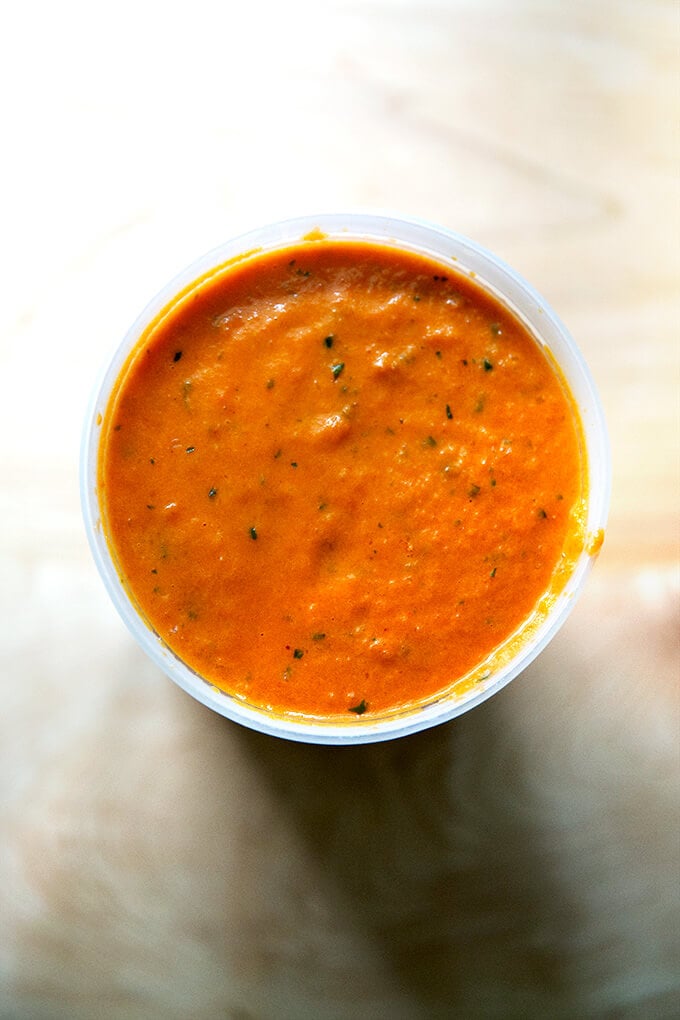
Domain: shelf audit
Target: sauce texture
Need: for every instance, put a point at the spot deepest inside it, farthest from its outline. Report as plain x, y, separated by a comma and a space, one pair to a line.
335, 478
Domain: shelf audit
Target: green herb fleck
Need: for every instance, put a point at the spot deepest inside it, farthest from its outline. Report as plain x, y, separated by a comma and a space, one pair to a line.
337, 369
474, 491
541, 513
493, 573
430, 441
438, 354
253, 534
449, 412
298, 653
277, 454
416, 297
360, 708
212, 493
152, 461
150, 506
190, 449
495, 329
487, 365
176, 356
329, 340
293, 463
479, 406
271, 383
319, 636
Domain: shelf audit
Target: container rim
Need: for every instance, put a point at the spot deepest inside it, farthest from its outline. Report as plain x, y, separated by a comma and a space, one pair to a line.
465, 257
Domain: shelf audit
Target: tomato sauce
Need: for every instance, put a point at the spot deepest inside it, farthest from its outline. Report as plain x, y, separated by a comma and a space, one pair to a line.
337, 478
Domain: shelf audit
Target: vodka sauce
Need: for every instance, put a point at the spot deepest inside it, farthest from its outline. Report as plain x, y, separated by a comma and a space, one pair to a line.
336, 478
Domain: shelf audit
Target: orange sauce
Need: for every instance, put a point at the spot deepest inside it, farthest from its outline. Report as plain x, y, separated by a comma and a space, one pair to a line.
336, 478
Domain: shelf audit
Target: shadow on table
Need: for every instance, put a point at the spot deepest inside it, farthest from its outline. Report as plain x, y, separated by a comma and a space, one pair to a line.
433, 842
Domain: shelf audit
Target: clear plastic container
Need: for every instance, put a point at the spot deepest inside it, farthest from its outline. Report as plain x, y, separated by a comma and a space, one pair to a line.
467, 258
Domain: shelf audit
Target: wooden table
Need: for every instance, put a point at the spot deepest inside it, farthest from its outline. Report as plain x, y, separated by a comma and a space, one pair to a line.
157, 861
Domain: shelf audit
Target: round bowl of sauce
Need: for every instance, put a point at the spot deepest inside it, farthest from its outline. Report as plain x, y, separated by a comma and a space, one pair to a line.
345, 477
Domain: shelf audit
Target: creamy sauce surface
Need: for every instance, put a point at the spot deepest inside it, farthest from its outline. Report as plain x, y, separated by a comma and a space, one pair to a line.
335, 478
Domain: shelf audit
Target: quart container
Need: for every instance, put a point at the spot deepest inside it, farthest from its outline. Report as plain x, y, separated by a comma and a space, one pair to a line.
466, 258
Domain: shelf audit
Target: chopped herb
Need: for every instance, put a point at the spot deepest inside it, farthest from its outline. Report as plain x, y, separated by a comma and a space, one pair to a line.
298, 653
416, 297
438, 354
463, 361
479, 406
152, 461
277, 454
541, 513
319, 636
329, 340
337, 369
271, 383
322, 506
449, 412
253, 534
117, 428
150, 506
190, 449
493, 482
495, 329
560, 496
153, 570
176, 356
212, 493
493, 573
487, 365
474, 491
430, 441
304, 272
360, 708
293, 463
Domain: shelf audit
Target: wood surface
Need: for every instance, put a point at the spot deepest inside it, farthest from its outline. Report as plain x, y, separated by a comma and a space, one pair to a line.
157, 861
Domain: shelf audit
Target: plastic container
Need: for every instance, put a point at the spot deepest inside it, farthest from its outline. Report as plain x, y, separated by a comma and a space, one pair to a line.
490, 272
